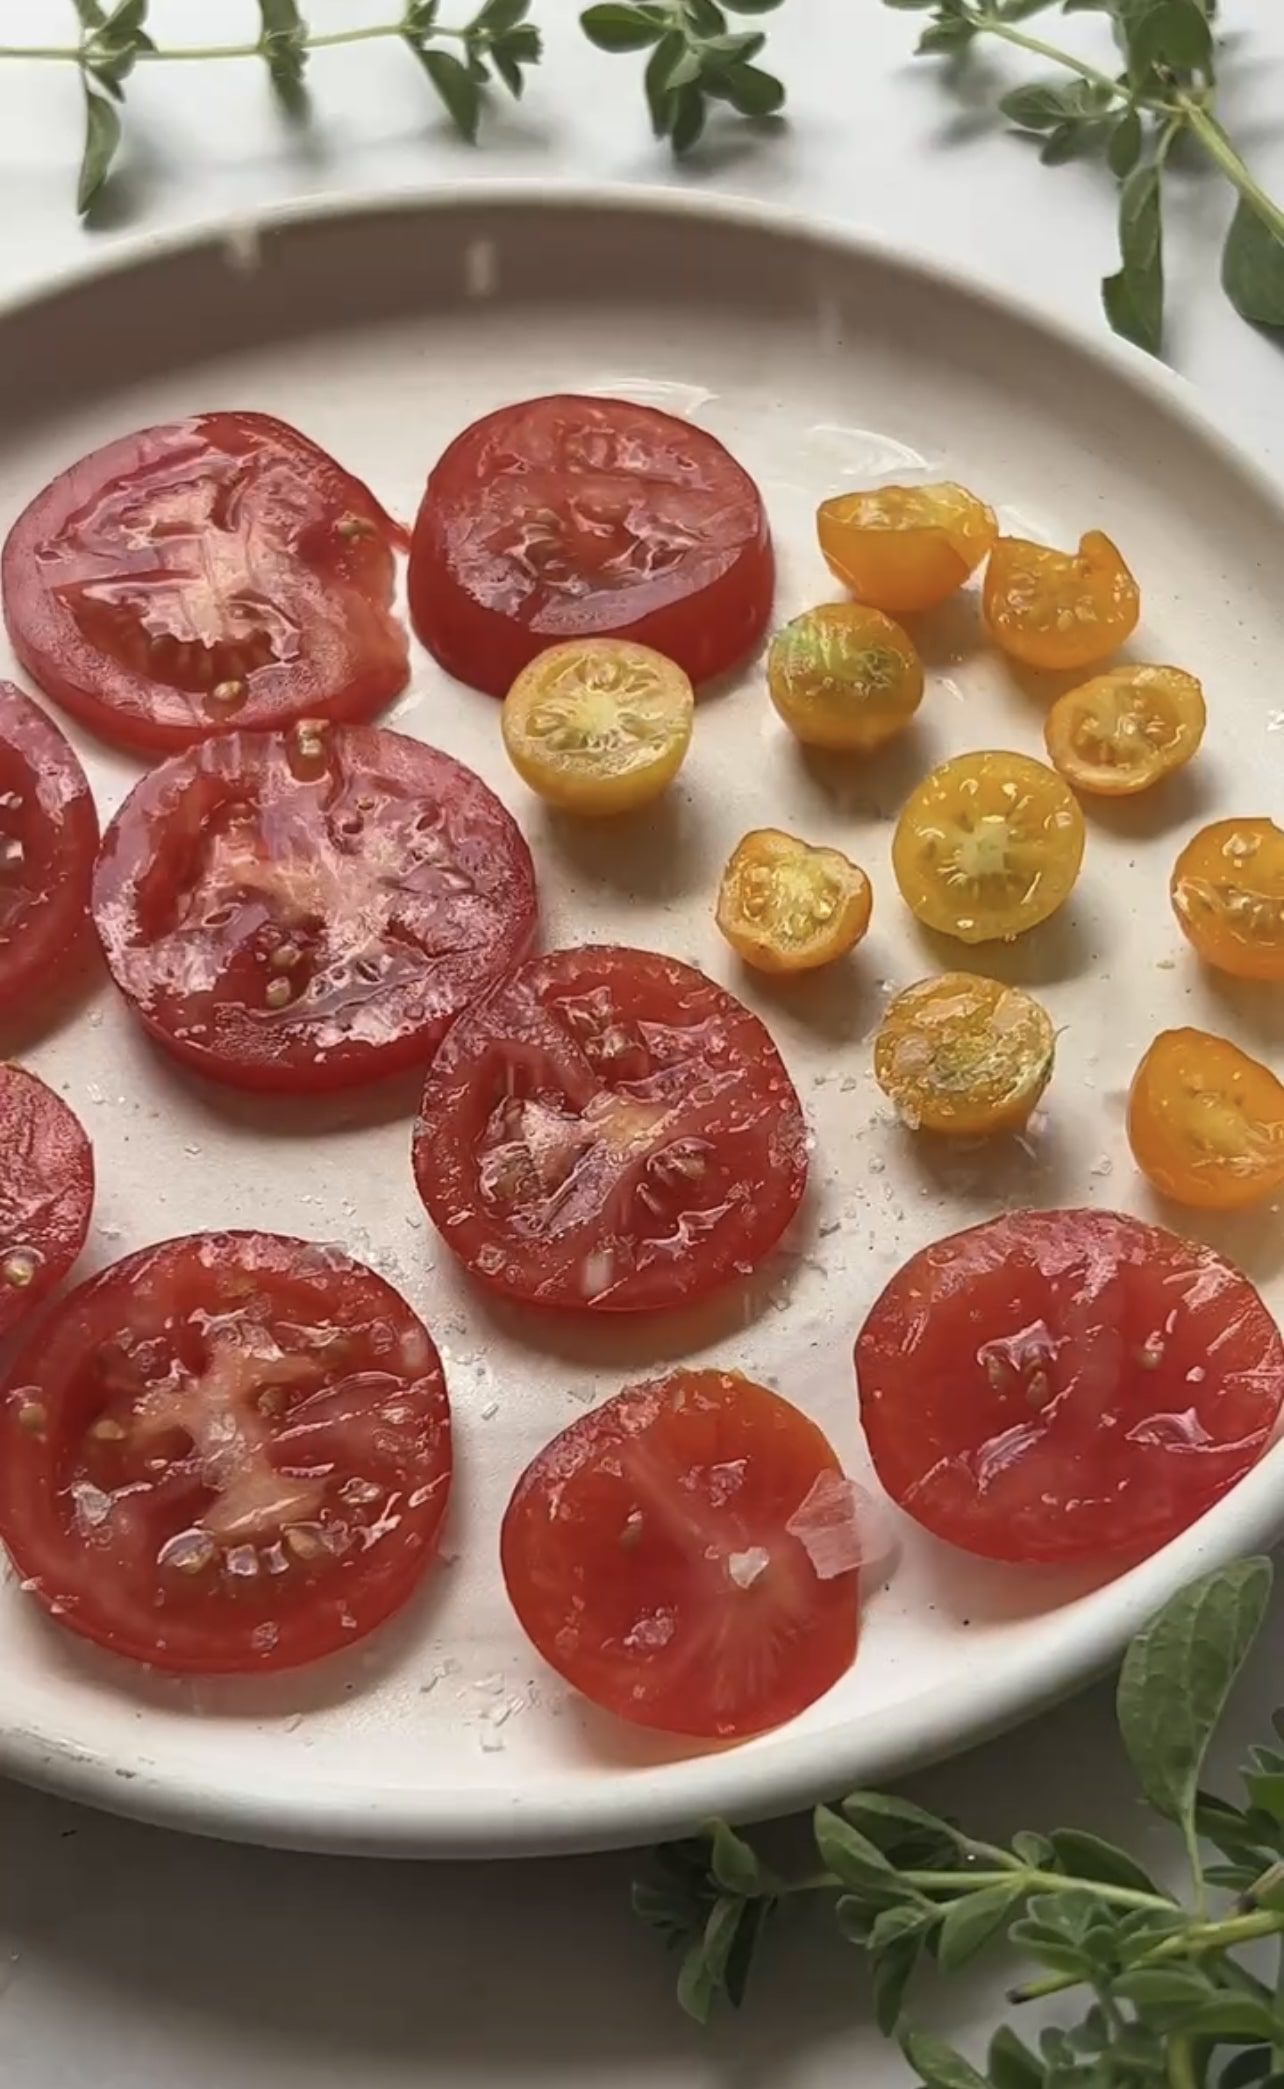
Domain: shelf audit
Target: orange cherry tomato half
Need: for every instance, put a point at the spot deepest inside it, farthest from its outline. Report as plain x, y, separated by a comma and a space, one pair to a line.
1206, 1122
1059, 609
988, 846
1228, 894
787, 907
905, 547
1126, 730
844, 677
964, 1054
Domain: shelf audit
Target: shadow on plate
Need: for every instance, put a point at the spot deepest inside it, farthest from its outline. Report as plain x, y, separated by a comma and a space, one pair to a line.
660, 852
1059, 949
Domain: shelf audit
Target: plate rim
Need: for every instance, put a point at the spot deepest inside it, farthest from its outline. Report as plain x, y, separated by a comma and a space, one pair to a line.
478, 1823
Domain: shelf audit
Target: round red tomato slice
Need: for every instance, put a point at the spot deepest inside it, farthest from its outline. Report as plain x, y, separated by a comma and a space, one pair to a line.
48, 836
686, 1556
575, 517
312, 909
46, 1192
1066, 1385
610, 1130
209, 575
227, 1453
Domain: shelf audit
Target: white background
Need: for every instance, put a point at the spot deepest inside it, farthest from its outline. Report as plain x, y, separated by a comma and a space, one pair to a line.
134, 1960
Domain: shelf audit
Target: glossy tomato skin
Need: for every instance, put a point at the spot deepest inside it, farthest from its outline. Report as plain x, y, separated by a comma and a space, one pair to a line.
46, 1192
216, 574
228, 1453
662, 1555
1066, 1385
571, 517
48, 837
609, 1132
310, 910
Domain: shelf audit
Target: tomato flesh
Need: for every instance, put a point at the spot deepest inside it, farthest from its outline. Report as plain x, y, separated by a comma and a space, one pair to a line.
1066, 1385
312, 909
227, 1453
1206, 1122
571, 517
48, 837
672, 1556
610, 1131
210, 575
46, 1192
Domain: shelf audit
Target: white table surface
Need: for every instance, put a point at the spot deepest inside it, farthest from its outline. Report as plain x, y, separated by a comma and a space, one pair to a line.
130, 1959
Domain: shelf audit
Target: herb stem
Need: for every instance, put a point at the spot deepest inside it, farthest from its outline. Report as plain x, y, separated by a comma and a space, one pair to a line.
1182, 2072
960, 1883
990, 25
178, 54
1223, 154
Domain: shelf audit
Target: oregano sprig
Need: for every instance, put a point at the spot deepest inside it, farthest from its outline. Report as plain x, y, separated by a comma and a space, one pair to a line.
1169, 2000
696, 58
1164, 87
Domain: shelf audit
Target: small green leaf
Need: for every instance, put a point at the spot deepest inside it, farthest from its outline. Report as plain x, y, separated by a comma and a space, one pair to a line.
897, 1824
1151, 1986
1040, 106
1253, 268
1170, 33
614, 27
912, 6
890, 1975
754, 7
969, 1924
703, 1975
939, 2065
1232, 2016
735, 1978
706, 17
1034, 1850
1010, 2064
684, 72
660, 64
497, 17
458, 90
854, 1860
750, 91
734, 1863
92, 16
102, 139
688, 117
1124, 149
1251, 2065
1086, 1856
946, 38
1178, 1673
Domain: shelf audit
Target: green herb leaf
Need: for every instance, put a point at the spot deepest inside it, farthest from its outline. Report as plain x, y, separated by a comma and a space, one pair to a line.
1124, 149
688, 116
90, 13
497, 17
911, 6
1169, 1985
1171, 33
754, 7
459, 91
102, 140
969, 1924
1035, 1850
1178, 1674
939, 2065
705, 17
1010, 2064
898, 1826
656, 80
750, 91
734, 1863
703, 1976
1134, 302
1086, 1856
1253, 268
890, 1974
614, 27
855, 1861
947, 38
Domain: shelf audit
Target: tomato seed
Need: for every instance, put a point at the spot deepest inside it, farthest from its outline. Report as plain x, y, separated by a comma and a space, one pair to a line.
19, 1268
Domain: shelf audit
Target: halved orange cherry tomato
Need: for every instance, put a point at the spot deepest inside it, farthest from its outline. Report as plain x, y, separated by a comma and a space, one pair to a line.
1228, 894
905, 547
1206, 1122
1059, 609
1126, 730
599, 725
788, 907
964, 1054
844, 676
988, 846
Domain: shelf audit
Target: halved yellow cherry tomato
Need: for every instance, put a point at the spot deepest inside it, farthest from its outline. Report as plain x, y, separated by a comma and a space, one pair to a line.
905, 547
1228, 894
964, 1054
1206, 1122
988, 846
788, 907
844, 676
1125, 730
1059, 609
599, 725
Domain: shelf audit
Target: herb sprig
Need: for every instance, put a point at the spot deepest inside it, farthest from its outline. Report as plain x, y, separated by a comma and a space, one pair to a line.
696, 57
1164, 89
1169, 2001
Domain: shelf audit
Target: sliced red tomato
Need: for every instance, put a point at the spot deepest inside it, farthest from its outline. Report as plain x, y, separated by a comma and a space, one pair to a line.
1066, 1385
312, 909
612, 1131
686, 1556
46, 1192
574, 517
209, 575
226, 1453
48, 836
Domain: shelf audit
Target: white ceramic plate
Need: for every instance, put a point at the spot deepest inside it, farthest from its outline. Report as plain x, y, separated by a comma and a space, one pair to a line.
824, 363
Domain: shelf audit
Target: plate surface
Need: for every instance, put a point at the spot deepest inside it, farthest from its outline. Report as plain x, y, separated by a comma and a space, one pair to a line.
823, 363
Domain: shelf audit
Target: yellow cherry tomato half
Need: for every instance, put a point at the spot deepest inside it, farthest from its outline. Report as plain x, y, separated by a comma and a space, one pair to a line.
599, 725
1059, 609
785, 906
964, 1054
1125, 730
988, 845
845, 677
1228, 894
905, 547
1206, 1122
